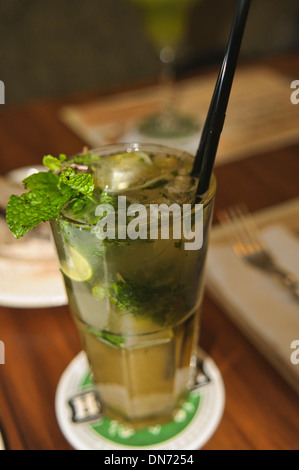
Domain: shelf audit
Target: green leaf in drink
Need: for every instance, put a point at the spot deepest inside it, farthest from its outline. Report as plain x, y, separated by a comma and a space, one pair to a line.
99, 292
129, 295
115, 340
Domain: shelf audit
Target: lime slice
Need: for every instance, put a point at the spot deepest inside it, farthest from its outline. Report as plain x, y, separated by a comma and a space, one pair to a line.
75, 266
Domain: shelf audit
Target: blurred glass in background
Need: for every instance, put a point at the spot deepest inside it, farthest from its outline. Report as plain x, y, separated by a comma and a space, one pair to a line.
166, 25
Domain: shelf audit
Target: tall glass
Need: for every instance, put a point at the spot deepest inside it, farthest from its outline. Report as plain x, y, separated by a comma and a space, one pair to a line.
136, 301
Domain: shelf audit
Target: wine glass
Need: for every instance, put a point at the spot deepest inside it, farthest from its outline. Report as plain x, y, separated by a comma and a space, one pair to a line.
166, 22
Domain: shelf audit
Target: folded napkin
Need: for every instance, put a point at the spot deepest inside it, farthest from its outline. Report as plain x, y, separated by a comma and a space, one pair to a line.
258, 303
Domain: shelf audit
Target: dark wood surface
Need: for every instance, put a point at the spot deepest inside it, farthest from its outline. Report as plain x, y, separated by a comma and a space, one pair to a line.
261, 410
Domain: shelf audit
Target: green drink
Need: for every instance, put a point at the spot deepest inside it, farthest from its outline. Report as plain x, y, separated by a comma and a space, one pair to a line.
132, 245
165, 20
135, 301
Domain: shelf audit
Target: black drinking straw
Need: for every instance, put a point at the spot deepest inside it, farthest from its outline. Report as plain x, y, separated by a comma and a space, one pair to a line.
206, 153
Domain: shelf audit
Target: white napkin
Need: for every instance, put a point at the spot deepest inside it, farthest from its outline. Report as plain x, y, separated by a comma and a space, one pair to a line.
259, 304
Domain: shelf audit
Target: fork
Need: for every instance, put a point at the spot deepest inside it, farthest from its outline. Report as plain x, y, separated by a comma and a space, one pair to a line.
247, 244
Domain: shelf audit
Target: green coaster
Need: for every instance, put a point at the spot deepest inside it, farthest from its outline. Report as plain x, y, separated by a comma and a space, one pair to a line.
78, 412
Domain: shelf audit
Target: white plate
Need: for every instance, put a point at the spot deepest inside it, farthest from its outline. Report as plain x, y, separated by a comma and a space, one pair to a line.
29, 270
19, 174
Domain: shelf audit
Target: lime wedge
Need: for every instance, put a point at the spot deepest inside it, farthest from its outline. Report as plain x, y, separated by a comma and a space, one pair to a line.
75, 266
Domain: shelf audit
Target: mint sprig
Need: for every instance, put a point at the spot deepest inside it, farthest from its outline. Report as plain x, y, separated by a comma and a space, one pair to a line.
48, 193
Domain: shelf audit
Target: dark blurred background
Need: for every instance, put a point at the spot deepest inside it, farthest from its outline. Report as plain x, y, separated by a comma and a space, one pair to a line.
50, 48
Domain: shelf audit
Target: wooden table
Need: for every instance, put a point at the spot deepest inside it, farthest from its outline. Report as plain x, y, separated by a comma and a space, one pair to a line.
261, 411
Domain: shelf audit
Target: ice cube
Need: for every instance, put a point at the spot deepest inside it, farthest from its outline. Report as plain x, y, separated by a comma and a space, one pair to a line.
123, 171
181, 189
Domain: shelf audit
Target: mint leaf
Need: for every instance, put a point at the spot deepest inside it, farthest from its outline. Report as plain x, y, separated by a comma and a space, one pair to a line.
27, 211
129, 295
159, 303
54, 163
84, 159
107, 198
42, 203
113, 339
79, 207
41, 182
83, 182
21, 216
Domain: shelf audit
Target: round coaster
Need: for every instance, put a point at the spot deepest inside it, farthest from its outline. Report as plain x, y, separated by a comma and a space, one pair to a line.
78, 412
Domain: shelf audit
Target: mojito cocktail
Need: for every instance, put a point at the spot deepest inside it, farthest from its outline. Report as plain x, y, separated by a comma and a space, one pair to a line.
135, 290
